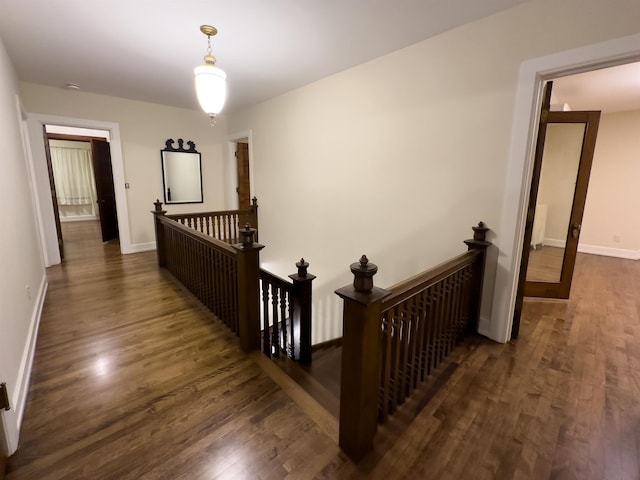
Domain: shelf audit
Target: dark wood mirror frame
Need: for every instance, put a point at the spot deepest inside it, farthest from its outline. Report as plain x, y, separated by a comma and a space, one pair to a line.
181, 173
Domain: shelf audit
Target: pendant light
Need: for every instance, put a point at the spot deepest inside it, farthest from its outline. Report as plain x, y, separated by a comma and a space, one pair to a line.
211, 81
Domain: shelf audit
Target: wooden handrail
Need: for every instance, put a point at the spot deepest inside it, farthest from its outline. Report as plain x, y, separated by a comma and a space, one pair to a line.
273, 279
195, 234
392, 339
409, 287
224, 277
227, 279
224, 225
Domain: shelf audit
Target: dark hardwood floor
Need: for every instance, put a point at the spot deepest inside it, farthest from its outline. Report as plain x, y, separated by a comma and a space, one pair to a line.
134, 380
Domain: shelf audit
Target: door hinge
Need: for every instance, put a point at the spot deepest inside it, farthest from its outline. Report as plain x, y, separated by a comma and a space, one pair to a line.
4, 397
544, 116
236, 153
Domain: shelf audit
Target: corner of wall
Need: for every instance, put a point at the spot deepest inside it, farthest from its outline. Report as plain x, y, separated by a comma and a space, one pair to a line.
140, 247
19, 396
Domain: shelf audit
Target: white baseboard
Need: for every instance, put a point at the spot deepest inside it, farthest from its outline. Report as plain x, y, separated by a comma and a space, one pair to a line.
610, 252
484, 328
13, 417
597, 249
78, 218
141, 247
552, 242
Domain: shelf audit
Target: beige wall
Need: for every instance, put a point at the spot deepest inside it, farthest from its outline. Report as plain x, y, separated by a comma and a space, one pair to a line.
398, 157
22, 273
144, 128
611, 218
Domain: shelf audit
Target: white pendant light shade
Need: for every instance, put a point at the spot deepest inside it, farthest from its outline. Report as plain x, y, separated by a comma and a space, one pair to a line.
211, 88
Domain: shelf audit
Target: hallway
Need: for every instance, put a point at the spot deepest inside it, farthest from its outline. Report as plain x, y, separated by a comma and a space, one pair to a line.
134, 380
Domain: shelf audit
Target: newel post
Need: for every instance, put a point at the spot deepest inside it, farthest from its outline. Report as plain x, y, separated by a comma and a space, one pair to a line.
302, 309
480, 244
361, 343
248, 284
160, 243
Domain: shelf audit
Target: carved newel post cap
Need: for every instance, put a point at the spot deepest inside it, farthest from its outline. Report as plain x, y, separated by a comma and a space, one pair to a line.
158, 205
302, 267
480, 232
247, 234
363, 273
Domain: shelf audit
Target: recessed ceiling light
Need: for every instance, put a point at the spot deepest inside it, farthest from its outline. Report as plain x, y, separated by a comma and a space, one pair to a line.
72, 86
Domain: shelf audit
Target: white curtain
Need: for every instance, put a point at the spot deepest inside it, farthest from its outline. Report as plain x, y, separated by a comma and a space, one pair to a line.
73, 174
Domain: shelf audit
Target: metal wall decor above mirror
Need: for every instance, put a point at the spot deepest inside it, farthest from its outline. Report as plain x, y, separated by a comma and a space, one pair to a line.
181, 173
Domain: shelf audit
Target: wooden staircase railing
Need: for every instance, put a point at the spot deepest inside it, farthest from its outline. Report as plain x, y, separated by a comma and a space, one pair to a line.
286, 314
224, 277
393, 339
224, 225
228, 280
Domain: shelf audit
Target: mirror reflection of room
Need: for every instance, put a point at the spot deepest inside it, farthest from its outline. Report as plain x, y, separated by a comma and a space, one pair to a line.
181, 173
560, 162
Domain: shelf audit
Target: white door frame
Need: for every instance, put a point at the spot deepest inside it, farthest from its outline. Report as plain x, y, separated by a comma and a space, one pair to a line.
520, 163
41, 180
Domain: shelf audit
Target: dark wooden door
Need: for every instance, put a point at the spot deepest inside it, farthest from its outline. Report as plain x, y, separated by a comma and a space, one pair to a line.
568, 149
54, 196
562, 166
242, 160
101, 157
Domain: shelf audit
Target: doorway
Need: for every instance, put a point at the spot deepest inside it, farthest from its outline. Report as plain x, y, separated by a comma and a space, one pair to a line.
244, 188
81, 179
615, 180
239, 185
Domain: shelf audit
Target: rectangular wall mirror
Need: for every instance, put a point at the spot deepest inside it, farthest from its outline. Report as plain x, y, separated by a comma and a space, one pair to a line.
181, 173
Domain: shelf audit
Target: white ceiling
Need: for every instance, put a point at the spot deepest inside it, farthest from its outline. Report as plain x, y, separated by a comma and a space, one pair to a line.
147, 49
610, 90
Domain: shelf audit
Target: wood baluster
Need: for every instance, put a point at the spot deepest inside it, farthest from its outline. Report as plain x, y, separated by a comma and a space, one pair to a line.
229, 294
235, 225
385, 404
285, 301
437, 325
266, 340
424, 333
446, 320
275, 331
395, 358
419, 342
218, 233
217, 285
228, 226
455, 280
429, 330
412, 345
295, 344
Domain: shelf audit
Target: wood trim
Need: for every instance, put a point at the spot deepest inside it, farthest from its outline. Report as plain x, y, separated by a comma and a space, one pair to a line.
333, 343
3, 466
407, 288
190, 232
72, 138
